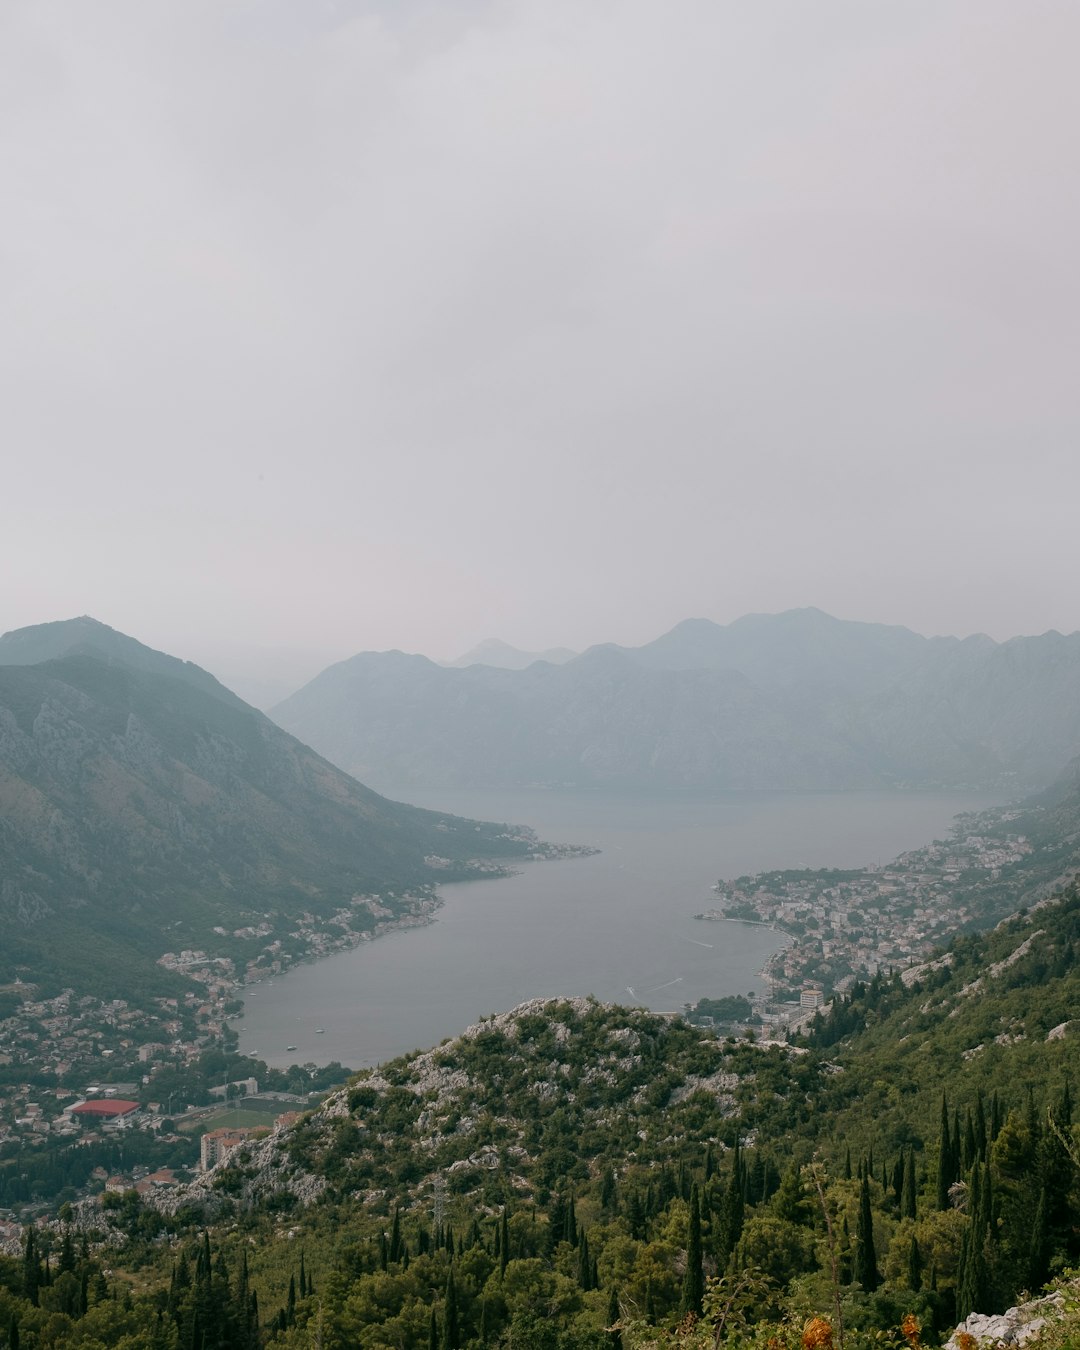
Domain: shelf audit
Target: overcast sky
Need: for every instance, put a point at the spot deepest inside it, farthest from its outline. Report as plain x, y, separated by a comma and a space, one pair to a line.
332, 326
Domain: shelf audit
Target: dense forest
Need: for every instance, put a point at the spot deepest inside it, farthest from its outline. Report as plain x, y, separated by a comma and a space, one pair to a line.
577, 1175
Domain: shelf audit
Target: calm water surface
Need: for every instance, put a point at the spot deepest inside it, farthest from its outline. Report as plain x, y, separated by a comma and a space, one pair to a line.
618, 925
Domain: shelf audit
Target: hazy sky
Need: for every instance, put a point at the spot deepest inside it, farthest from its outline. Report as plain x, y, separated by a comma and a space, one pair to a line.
330, 326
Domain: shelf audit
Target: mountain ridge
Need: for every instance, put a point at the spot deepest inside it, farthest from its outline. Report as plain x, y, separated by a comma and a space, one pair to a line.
796, 701
137, 794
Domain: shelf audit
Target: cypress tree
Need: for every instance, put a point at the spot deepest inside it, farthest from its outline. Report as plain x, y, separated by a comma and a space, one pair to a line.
1039, 1247
907, 1197
982, 1140
945, 1176
290, 1302
732, 1210
433, 1330
898, 1173
694, 1281
31, 1279
303, 1277
384, 1252
504, 1242
615, 1336
394, 1254
972, 1290
13, 1333
844, 1264
914, 1266
584, 1264
970, 1148
847, 1165
866, 1271
450, 1333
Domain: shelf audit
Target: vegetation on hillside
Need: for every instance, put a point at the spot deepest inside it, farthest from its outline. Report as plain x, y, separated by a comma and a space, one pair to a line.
575, 1175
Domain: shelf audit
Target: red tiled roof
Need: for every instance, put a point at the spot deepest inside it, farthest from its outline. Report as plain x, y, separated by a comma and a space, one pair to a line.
105, 1107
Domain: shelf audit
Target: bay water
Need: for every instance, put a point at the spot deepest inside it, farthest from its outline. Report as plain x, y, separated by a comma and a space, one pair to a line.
618, 925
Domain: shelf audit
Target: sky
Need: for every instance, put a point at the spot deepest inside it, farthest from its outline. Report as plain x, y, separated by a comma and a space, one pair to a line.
333, 326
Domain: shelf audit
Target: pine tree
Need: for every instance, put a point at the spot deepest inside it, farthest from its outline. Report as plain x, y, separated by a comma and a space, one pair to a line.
694, 1281
866, 1271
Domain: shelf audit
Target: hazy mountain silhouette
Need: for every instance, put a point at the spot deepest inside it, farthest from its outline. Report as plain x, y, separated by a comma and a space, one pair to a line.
798, 700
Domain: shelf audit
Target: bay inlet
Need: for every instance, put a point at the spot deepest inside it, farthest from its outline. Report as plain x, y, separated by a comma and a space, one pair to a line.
618, 924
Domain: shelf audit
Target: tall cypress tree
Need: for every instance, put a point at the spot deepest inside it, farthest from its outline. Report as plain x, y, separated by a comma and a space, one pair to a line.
450, 1331
694, 1281
866, 1271
914, 1266
615, 1337
433, 1330
31, 1273
732, 1210
584, 1264
504, 1242
945, 1174
908, 1194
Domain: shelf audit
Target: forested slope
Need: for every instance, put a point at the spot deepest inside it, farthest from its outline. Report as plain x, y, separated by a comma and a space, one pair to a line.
570, 1164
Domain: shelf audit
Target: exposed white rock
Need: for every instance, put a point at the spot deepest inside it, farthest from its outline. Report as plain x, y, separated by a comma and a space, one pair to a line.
1016, 1326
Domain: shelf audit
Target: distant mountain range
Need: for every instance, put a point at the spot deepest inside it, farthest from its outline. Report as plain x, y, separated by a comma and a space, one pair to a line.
143, 805
793, 701
493, 652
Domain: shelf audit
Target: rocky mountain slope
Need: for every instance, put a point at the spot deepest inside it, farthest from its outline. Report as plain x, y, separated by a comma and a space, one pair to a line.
142, 806
796, 701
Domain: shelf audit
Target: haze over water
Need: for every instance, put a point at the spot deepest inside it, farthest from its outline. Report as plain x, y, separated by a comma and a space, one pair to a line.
618, 925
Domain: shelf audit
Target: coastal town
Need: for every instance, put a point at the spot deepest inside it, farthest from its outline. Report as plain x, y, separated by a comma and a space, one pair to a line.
87, 1081
847, 925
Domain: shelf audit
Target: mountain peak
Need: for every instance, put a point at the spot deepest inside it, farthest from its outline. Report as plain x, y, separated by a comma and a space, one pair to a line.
87, 636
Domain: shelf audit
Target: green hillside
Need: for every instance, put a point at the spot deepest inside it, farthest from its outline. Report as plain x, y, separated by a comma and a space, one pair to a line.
143, 806
568, 1166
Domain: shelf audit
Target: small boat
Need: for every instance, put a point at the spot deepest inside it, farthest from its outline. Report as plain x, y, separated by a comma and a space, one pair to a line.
290, 1047
319, 1031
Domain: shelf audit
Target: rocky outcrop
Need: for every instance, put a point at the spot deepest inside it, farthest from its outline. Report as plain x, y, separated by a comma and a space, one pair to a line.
1015, 1326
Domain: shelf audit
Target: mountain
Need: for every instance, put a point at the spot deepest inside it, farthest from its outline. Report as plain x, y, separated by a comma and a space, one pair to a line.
493, 652
144, 807
770, 702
